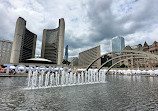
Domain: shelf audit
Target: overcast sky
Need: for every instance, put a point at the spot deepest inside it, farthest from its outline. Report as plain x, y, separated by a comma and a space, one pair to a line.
88, 23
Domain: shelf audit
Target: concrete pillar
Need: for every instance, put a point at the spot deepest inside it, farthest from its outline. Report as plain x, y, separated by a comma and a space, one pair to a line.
61, 41
115, 60
34, 46
43, 43
19, 30
132, 62
98, 55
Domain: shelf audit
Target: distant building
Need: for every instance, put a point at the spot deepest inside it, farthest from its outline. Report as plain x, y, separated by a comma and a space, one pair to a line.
138, 47
153, 48
74, 61
66, 53
145, 47
5, 51
24, 43
53, 43
70, 59
86, 57
140, 62
117, 43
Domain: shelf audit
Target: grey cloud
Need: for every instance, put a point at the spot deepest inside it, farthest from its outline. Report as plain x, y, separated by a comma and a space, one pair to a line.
77, 42
88, 23
7, 25
107, 26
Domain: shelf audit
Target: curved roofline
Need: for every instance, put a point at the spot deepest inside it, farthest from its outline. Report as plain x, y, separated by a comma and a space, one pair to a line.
30, 31
22, 18
51, 29
39, 59
90, 49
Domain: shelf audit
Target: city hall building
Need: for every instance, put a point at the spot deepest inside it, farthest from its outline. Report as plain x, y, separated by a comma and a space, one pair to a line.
24, 43
53, 43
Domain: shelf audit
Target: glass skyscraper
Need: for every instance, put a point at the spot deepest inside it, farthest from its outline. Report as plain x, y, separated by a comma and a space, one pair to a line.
117, 43
66, 53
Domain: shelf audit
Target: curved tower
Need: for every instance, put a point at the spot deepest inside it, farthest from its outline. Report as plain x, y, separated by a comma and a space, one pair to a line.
24, 43
61, 40
53, 43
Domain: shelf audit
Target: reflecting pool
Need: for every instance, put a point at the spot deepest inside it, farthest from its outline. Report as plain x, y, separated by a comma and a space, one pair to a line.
119, 92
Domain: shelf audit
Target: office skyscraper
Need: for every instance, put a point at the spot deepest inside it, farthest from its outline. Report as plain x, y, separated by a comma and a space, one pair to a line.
66, 53
117, 43
53, 43
24, 43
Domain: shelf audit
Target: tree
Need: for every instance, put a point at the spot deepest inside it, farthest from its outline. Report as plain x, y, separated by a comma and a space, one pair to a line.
123, 66
66, 62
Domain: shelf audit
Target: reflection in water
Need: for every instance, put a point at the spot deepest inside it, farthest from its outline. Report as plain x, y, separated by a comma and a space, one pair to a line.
118, 93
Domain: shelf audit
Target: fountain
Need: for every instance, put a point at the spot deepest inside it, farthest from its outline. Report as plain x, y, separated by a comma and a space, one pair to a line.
129, 71
62, 78
57, 79
151, 72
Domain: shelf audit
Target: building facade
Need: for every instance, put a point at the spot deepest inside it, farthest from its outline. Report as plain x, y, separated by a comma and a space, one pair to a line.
117, 43
66, 53
86, 57
153, 48
74, 61
140, 62
53, 43
5, 51
24, 43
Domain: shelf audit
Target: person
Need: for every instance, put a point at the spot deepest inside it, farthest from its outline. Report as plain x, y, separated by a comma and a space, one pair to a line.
2, 70
14, 72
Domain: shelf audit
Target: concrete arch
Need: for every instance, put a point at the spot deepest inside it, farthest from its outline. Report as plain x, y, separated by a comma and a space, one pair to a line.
119, 57
123, 51
129, 58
